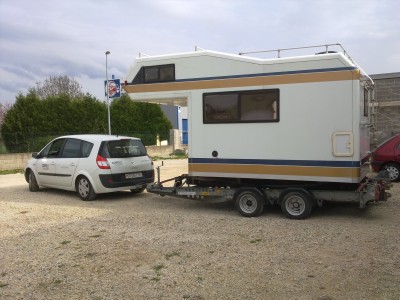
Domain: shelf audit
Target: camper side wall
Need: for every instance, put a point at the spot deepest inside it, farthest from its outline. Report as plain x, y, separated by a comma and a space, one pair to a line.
315, 137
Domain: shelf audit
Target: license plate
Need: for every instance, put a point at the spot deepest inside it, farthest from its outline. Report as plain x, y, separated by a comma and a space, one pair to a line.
133, 175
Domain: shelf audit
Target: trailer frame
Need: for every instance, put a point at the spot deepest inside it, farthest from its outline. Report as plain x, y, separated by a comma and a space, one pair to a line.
296, 200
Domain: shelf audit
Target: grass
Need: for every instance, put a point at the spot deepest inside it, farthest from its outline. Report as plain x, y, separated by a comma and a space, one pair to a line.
47, 285
14, 171
172, 254
156, 158
255, 241
95, 236
157, 269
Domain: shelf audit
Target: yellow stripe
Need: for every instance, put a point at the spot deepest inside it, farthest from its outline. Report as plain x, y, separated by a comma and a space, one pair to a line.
276, 170
243, 82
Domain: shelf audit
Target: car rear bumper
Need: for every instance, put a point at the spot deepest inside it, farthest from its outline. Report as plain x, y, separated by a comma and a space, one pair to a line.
113, 181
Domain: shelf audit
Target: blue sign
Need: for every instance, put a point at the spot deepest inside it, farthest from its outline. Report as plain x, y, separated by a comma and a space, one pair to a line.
114, 88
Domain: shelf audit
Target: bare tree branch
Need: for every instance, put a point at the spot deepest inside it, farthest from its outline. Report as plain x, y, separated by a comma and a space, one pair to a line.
56, 85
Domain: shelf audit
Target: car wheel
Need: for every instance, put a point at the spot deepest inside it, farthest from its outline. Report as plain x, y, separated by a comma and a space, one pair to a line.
249, 203
138, 190
394, 171
33, 185
85, 189
296, 205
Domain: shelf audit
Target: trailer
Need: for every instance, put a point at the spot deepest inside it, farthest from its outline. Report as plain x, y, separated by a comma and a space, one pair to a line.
291, 131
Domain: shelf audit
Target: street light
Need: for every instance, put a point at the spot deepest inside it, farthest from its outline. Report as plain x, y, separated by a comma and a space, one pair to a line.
108, 100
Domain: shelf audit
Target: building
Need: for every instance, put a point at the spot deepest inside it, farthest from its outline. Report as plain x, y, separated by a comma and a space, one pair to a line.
177, 115
386, 107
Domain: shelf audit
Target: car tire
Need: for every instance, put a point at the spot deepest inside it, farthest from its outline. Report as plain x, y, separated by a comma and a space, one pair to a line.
138, 190
85, 189
33, 185
394, 171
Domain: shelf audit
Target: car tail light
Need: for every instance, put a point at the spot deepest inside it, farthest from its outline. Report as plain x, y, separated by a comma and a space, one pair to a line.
102, 162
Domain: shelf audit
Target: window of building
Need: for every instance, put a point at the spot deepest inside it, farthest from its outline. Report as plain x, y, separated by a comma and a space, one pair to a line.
241, 107
153, 74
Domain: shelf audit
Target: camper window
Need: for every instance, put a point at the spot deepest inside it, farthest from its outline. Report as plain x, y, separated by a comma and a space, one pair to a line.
241, 107
153, 74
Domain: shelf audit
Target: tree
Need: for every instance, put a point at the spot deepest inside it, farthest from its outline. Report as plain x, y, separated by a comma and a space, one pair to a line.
21, 123
143, 120
32, 122
56, 85
3, 111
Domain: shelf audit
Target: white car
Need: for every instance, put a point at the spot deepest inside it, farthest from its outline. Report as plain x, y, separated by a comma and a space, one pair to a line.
91, 165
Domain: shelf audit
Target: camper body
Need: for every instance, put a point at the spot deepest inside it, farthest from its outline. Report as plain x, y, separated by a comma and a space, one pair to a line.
259, 123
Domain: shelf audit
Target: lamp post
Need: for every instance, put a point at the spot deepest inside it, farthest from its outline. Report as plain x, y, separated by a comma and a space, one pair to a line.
108, 100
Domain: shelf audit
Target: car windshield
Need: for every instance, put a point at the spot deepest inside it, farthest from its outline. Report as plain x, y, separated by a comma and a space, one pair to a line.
124, 148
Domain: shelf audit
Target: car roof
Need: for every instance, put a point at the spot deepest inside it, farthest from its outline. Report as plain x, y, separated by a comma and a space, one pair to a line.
98, 137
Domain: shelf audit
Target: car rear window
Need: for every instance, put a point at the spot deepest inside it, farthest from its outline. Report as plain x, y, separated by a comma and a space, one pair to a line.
123, 148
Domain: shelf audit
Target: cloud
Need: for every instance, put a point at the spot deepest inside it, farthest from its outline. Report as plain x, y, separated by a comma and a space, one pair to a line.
44, 38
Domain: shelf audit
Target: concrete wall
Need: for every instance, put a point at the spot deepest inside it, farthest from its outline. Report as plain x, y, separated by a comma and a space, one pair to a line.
13, 161
160, 151
17, 160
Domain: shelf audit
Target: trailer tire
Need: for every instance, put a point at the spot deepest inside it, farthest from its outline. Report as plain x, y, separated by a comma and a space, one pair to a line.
296, 205
249, 203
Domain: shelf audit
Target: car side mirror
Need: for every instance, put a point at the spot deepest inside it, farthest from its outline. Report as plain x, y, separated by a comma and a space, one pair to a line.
35, 155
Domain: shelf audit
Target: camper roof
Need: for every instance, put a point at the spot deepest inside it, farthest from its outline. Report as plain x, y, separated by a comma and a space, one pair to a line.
208, 65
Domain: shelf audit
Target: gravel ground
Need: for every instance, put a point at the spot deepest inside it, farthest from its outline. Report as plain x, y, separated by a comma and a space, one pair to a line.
125, 246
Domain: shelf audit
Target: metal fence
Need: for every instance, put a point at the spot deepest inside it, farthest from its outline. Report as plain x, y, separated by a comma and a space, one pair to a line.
23, 142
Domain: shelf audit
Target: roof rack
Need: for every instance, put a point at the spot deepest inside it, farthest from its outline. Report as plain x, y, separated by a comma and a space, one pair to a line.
326, 46
298, 48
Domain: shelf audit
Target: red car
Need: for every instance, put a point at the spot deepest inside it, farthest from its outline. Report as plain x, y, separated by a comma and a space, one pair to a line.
387, 156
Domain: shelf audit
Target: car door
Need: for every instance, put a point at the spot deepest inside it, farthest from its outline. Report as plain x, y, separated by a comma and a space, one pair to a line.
46, 163
397, 152
68, 161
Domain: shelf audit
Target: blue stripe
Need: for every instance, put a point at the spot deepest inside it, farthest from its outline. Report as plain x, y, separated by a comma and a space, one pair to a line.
270, 74
276, 162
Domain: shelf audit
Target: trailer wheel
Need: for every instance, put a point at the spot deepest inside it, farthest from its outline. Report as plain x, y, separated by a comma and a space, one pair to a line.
296, 205
249, 203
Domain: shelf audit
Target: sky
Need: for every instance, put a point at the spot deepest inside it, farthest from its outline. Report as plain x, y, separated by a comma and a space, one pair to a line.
44, 38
